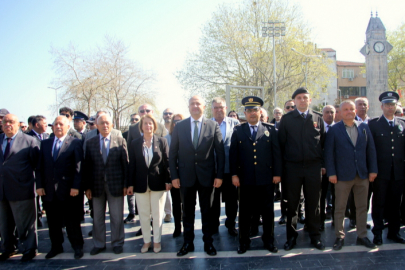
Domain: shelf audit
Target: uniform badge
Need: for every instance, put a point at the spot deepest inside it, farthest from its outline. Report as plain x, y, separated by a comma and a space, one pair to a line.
267, 133
315, 124
401, 128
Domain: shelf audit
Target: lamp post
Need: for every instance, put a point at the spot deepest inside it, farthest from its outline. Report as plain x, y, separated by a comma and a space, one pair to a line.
56, 96
275, 29
306, 62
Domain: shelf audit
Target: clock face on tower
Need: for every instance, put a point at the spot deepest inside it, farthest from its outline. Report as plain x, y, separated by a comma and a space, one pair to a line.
379, 47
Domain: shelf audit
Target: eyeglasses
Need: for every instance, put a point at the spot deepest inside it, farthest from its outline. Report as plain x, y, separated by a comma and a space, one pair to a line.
23, 126
219, 108
252, 110
168, 113
290, 107
66, 114
143, 111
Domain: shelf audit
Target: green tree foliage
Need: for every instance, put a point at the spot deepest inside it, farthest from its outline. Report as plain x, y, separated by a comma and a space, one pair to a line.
233, 51
396, 59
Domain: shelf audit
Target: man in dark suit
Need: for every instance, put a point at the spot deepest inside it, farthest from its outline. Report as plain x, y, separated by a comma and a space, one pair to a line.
18, 160
256, 165
134, 133
229, 191
351, 163
301, 136
192, 166
328, 115
79, 123
58, 180
39, 126
389, 138
106, 178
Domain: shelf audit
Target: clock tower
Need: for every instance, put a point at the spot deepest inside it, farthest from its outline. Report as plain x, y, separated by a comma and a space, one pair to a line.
375, 50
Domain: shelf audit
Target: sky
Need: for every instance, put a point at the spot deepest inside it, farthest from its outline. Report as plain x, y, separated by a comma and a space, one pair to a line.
159, 34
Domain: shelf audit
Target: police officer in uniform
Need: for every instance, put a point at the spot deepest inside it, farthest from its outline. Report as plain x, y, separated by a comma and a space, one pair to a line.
389, 138
79, 121
255, 166
301, 135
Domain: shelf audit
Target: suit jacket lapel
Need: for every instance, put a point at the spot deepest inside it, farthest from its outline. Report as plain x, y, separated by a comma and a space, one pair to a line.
113, 144
344, 131
203, 128
260, 131
64, 145
246, 129
1, 145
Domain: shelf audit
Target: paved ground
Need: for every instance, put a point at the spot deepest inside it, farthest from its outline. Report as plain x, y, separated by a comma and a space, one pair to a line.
390, 256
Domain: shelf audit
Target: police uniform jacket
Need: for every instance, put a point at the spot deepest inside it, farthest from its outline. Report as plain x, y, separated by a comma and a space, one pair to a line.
302, 140
255, 162
390, 146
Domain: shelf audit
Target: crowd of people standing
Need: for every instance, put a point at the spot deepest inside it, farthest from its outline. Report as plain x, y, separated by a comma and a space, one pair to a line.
329, 162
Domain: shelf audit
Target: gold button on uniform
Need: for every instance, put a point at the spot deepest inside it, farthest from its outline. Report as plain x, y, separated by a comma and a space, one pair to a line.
254, 144
254, 156
255, 163
254, 150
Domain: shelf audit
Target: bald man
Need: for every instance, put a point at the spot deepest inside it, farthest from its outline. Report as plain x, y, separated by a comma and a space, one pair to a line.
18, 160
58, 183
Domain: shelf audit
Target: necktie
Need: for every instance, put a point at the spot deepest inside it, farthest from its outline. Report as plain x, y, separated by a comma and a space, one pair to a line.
303, 115
56, 150
391, 123
7, 151
104, 151
254, 132
195, 136
40, 137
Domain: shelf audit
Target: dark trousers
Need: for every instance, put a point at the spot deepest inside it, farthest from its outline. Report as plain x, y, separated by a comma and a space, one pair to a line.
176, 207
230, 197
256, 200
308, 177
283, 202
324, 191
352, 205
386, 203
68, 213
188, 197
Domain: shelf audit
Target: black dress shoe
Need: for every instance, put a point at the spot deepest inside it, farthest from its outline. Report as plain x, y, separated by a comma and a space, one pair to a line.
139, 232
243, 248
352, 223
117, 250
271, 247
186, 248
281, 221
318, 244
378, 239
322, 227
396, 238
28, 256
232, 232
365, 242
254, 231
210, 250
129, 219
301, 219
5, 255
176, 233
96, 250
53, 253
290, 243
339, 243
78, 253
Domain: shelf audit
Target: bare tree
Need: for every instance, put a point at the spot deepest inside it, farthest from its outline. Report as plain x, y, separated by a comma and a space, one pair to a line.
101, 78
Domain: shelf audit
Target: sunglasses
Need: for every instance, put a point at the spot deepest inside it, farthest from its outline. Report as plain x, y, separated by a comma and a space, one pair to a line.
143, 111
134, 119
66, 114
290, 107
168, 113
91, 124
